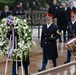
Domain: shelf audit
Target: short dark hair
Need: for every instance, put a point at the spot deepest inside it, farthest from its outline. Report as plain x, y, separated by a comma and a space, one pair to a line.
70, 2
17, 3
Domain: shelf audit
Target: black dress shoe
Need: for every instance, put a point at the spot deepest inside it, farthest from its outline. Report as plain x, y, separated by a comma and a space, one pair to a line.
41, 70
54, 66
66, 62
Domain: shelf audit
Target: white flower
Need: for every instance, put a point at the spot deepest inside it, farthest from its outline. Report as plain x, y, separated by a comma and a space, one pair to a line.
24, 44
24, 20
16, 21
4, 20
1, 43
0, 29
20, 44
26, 27
25, 34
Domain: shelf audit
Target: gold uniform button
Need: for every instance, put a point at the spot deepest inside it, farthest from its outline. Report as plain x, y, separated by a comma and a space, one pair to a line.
45, 42
45, 34
45, 38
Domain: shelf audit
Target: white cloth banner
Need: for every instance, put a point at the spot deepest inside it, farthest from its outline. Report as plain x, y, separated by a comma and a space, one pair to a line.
65, 72
72, 69
58, 73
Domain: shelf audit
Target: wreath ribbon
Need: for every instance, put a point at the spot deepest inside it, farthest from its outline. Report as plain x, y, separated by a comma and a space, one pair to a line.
12, 44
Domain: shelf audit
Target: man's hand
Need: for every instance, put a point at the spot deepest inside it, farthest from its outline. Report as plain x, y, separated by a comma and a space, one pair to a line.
20, 12
17, 12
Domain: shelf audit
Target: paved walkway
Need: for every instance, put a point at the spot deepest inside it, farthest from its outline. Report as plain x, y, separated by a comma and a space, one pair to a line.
35, 59
36, 56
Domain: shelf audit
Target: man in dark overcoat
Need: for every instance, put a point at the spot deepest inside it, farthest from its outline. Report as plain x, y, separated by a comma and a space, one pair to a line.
18, 10
50, 33
62, 21
53, 10
71, 32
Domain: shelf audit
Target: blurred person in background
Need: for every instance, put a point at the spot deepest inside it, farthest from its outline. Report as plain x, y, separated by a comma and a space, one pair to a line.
62, 20
5, 13
18, 10
53, 10
21, 4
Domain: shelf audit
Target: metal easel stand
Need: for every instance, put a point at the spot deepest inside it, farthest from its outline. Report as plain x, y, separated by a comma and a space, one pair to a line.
6, 66
7, 60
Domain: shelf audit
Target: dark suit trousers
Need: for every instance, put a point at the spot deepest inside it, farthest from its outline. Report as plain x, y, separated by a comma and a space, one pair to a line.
19, 64
68, 56
45, 60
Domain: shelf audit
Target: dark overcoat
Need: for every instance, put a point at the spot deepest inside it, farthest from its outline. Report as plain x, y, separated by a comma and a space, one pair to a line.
74, 28
18, 10
62, 19
5, 14
53, 10
71, 30
48, 41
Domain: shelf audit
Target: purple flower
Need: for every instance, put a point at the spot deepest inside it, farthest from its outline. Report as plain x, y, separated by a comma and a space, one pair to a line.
10, 20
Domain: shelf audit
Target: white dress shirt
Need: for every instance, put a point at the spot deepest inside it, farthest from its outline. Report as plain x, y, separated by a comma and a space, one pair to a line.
48, 25
73, 21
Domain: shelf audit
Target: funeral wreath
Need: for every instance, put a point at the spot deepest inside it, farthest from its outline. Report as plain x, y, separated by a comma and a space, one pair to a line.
24, 37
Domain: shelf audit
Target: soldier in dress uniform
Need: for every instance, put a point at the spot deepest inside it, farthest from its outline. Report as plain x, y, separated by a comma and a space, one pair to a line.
71, 32
62, 21
50, 33
69, 9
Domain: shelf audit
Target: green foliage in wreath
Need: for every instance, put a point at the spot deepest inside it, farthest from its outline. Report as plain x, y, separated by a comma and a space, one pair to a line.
24, 41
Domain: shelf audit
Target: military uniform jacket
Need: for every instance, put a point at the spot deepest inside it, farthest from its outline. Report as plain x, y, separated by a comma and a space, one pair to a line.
72, 30
48, 41
68, 12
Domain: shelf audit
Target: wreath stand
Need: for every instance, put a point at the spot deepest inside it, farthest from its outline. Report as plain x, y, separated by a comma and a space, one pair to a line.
6, 66
8, 59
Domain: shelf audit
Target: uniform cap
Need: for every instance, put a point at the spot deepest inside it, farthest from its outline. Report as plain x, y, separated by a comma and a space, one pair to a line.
73, 12
49, 15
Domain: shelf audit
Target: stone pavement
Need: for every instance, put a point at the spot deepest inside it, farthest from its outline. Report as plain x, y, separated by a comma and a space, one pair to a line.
36, 58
